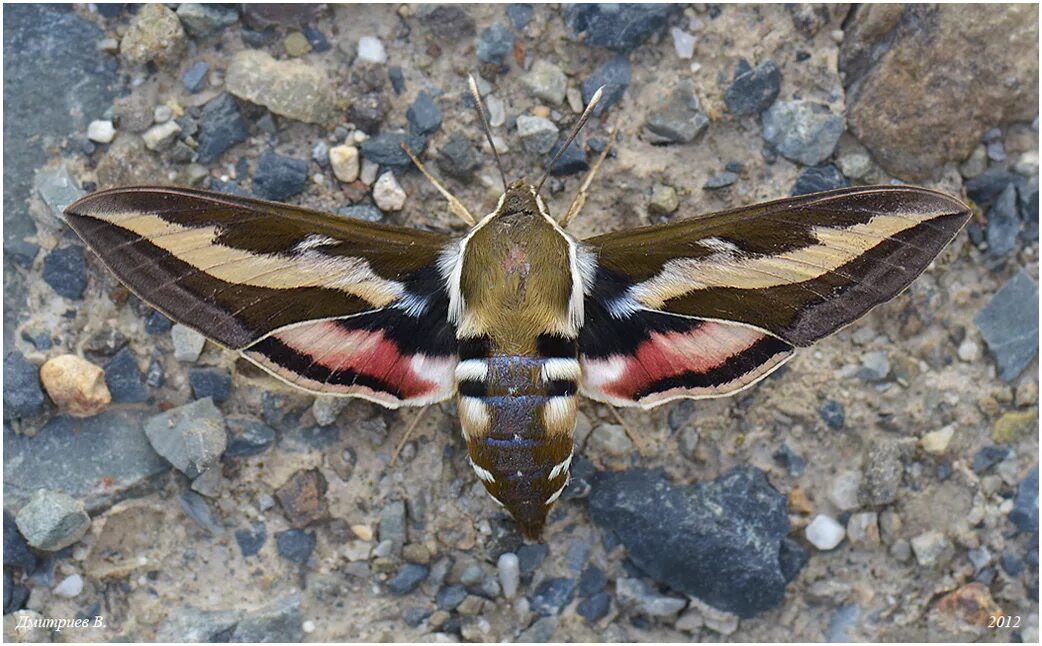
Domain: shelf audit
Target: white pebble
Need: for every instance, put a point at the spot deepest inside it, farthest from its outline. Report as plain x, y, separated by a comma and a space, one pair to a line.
509, 573
71, 586
843, 492
101, 131
497, 114
344, 161
388, 193
969, 351
371, 50
161, 136
824, 533
162, 114
308, 626
683, 43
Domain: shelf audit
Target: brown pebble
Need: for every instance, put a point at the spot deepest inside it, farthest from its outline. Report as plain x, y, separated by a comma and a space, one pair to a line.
76, 385
798, 502
303, 498
971, 604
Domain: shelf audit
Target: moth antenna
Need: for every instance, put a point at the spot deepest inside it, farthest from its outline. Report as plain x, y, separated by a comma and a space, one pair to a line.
587, 113
480, 106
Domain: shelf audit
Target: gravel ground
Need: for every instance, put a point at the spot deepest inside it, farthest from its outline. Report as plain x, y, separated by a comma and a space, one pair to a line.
883, 486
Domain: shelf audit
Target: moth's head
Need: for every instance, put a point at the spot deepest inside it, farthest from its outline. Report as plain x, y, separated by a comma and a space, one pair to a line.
519, 199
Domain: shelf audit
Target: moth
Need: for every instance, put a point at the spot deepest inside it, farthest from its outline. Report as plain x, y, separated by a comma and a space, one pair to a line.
517, 318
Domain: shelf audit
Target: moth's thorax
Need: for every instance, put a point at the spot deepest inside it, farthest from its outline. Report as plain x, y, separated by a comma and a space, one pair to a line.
516, 279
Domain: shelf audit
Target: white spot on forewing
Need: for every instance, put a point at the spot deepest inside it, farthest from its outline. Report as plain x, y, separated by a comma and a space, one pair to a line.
558, 368
483, 474
315, 240
718, 245
413, 305
555, 495
623, 306
559, 468
471, 370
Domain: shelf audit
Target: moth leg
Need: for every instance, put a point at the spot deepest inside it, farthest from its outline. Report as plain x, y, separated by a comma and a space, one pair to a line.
641, 449
454, 204
580, 198
408, 432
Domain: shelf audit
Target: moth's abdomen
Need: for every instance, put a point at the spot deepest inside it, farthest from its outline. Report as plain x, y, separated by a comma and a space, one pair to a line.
518, 415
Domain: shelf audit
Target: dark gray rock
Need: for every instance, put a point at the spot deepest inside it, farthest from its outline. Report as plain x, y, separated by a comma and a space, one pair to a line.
215, 383
191, 437
530, 556
1028, 203
495, 44
188, 624
424, 115
832, 413
280, 621
397, 78
753, 90
621, 27
295, 545
1009, 325
65, 270
386, 149
458, 157
720, 180
592, 581
124, 379
802, 131
251, 539
789, 460
16, 549
319, 42
367, 212
984, 188
247, 436
818, 178
99, 459
198, 509
719, 541
1003, 223
449, 22
23, 396
679, 120
1025, 505
520, 15
594, 608
157, 323
49, 53
541, 631
449, 597
155, 375
369, 111
221, 126
988, 457
552, 596
16, 595
407, 578
229, 188
202, 20
571, 162
194, 78
614, 76
278, 177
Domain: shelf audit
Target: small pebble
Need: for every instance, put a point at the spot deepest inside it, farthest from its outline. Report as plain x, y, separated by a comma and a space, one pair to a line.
52, 520
161, 136
371, 50
824, 532
683, 43
75, 385
936, 442
295, 545
101, 132
296, 44
538, 134
194, 78
251, 539
188, 344
509, 574
344, 160
408, 578
388, 193
929, 547
71, 586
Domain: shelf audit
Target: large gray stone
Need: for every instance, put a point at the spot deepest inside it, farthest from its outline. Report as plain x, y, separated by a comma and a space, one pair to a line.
292, 89
280, 621
191, 437
188, 624
99, 460
52, 520
721, 541
802, 131
1009, 325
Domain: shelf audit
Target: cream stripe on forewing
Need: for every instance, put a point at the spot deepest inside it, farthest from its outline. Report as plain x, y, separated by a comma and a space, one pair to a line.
728, 268
307, 268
